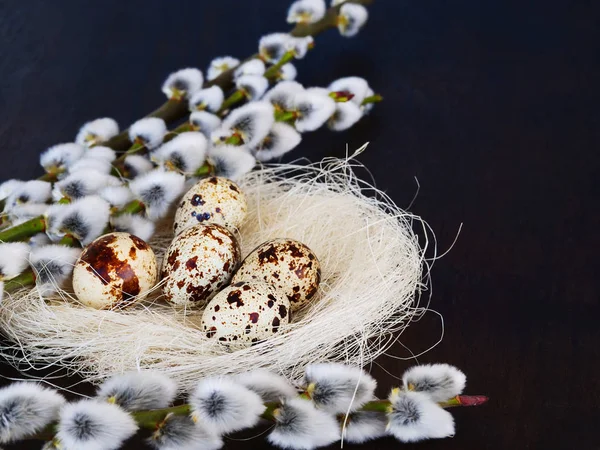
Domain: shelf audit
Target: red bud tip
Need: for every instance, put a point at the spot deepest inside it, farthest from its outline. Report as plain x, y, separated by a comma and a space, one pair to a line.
345, 95
472, 400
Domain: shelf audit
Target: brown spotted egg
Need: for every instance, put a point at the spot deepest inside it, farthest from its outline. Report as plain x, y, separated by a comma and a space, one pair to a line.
212, 200
198, 263
114, 271
288, 265
245, 313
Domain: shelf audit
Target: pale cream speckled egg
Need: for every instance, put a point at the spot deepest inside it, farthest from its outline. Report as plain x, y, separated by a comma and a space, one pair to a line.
115, 270
287, 265
245, 313
212, 200
198, 263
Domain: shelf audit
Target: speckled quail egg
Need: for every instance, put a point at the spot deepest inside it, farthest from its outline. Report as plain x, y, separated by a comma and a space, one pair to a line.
287, 265
245, 313
198, 263
212, 200
115, 270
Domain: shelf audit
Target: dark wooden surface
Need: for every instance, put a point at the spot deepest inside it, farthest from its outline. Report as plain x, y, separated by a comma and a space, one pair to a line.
492, 105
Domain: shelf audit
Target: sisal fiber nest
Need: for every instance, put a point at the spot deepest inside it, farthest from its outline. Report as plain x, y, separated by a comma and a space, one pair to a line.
373, 271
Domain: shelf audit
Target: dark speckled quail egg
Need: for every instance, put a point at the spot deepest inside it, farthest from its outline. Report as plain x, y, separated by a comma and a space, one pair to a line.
212, 200
114, 271
245, 313
198, 263
288, 265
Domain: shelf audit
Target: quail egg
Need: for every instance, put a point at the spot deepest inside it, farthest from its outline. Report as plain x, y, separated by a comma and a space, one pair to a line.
198, 263
115, 270
288, 265
212, 200
245, 313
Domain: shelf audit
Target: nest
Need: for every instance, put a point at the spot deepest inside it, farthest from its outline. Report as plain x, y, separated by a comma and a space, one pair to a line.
372, 276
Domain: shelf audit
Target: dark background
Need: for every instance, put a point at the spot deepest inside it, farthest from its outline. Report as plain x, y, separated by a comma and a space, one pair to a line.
492, 105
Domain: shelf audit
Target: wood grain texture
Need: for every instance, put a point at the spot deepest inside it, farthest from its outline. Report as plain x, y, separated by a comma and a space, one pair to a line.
493, 106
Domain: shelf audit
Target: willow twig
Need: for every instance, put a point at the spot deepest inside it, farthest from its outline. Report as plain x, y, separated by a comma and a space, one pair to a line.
151, 419
173, 110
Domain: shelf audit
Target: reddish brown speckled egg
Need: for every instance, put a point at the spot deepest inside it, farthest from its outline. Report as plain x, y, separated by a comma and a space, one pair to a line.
245, 313
288, 265
212, 200
198, 263
115, 270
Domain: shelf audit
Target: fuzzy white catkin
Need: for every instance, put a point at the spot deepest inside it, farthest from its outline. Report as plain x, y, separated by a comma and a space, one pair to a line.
300, 46
8, 187
283, 93
364, 426
306, 11
345, 116
352, 18
314, 109
61, 156
157, 190
230, 161
270, 386
252, 122
97, 131
288, 72
26, 408
22, 213
185, 153
414, 417
87, 164
339, 388
34, 191
134, 224
219, 65
101, 153
357, 86
92, 425
252, 67
224, 406
205, 122
184, 82
300, 426
85, 218
137, 165
281, 139
181, 433
369, 106
440, 381
117, 196
135, 391
149, 130
209, 99
52, 265
39, 240
254, 86
82, 183
13, 259
273, 46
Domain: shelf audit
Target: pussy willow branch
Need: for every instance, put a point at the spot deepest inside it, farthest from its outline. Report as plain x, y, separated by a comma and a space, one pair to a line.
151, 419
173, 110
